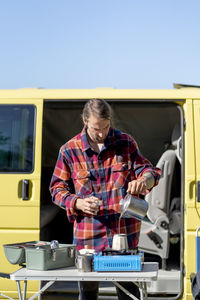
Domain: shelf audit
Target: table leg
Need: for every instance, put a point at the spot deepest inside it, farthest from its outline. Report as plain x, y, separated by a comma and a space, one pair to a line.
40, 286
25, 287
48, 284
125, 290
19, 289
5, 296
145, 290
139, 285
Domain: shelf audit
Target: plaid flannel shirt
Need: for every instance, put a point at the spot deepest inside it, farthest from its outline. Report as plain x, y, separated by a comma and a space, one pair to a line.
81, 172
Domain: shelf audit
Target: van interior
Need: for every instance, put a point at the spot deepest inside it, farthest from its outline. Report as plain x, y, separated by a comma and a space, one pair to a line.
157, 127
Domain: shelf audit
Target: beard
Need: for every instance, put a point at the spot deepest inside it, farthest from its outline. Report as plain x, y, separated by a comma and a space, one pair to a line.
95, 138
99, 140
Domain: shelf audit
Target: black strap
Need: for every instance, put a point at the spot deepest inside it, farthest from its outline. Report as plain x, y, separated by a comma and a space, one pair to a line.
5, 275
196, 286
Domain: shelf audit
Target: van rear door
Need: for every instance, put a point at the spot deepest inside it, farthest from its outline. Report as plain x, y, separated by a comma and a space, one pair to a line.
20, 172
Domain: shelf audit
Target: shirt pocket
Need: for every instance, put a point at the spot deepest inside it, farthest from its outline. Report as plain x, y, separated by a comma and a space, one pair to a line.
82, 182
121, 173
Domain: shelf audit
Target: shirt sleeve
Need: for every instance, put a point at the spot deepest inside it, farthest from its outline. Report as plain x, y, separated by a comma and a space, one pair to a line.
61, 187
142, 165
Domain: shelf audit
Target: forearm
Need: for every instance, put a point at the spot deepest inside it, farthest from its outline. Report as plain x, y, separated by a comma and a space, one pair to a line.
149, 180
142, 184
62, 197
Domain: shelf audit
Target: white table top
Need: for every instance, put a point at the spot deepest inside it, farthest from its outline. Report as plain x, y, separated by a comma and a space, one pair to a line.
149, 272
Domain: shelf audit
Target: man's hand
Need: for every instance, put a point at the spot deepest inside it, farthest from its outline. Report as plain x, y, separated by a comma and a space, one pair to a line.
138, 186
142, 184
88, 205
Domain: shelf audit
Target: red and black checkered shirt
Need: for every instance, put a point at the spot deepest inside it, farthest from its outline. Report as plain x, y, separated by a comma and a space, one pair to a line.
81, 172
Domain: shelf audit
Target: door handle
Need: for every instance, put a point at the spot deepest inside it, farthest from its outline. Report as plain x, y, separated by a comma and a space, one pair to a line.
25, 189
198, 191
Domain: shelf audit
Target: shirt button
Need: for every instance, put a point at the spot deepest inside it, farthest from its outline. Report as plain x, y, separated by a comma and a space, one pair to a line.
101, 173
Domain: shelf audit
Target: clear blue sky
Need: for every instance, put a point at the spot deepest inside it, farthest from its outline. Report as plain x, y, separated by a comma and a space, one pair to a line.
99, 43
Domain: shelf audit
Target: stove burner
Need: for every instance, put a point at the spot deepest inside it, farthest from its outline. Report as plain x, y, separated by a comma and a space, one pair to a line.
110, 251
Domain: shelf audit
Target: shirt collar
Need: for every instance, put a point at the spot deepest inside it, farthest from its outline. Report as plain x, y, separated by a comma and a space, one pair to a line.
110, 139
84, 141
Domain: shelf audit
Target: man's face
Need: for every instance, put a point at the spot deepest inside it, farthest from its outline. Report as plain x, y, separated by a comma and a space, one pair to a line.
97, 129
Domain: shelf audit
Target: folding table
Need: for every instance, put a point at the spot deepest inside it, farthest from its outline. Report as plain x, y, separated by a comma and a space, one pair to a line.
148, 273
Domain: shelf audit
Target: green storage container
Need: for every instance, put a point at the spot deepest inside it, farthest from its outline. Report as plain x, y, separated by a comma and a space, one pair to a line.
44, 258
38, 255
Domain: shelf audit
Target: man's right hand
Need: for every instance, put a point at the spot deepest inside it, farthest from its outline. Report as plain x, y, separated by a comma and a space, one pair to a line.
88, 205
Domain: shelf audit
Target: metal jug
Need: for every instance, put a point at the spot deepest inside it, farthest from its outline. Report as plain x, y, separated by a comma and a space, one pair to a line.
133, 207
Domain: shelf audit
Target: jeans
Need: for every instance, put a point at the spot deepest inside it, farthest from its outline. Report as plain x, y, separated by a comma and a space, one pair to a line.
88, 290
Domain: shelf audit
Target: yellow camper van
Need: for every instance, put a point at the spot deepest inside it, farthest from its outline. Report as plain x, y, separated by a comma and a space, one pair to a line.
34, 123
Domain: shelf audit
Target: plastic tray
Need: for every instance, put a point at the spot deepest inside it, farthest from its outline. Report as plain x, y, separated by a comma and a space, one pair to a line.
15, 253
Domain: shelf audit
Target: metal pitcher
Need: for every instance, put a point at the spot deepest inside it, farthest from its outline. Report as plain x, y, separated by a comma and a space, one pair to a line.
133, 207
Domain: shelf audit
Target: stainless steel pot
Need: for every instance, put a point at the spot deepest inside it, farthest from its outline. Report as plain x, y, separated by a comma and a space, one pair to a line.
84, 262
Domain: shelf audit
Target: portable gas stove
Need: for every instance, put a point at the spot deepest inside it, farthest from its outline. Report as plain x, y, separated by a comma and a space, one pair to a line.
118, 260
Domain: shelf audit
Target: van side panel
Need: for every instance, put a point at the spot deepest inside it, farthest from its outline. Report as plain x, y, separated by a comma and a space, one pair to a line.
197, 150
9, 287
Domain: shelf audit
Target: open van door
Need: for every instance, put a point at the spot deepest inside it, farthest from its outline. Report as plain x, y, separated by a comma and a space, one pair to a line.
20, 169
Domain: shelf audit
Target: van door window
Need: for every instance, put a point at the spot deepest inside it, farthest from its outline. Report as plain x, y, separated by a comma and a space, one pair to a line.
17, 138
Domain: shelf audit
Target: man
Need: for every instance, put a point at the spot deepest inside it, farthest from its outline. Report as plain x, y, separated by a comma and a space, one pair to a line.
94, 171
